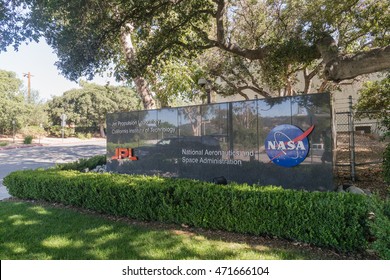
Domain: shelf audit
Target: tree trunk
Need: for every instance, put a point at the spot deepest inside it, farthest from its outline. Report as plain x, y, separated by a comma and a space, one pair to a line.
101, 128
308, 81
140, 82
144, 92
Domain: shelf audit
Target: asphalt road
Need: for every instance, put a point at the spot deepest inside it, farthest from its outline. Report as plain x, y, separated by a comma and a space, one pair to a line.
45, 156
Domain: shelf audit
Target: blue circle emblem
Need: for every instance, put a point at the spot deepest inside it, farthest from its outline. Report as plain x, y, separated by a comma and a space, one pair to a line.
287, 145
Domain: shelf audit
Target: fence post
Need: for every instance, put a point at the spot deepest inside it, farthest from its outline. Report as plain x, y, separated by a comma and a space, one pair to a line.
352, 141
334, 134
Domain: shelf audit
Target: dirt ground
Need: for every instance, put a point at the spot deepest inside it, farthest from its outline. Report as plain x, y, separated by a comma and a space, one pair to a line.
369, 156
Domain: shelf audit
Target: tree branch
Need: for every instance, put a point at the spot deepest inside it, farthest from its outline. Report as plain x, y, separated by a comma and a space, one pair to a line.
338, 67
240, 89
259, 53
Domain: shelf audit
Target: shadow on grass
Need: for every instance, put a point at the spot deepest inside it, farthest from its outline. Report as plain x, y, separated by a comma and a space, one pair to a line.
29, 231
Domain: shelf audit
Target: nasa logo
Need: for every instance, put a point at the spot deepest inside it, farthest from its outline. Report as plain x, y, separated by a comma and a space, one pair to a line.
287, 145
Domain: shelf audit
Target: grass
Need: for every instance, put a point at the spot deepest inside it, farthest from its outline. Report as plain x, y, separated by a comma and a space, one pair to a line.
31, 231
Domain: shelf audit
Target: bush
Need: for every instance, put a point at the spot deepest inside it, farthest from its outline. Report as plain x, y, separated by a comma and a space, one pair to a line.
34, 131
83, 164
80, 135
56, 130
27, 139
330, 219
87, 130
380, 227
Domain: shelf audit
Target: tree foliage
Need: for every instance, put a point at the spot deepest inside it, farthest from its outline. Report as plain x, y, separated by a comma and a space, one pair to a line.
93, 36
14, 107
89, 105
374, 101
11, 100
374, 97
255, 43
280, 34
174, 82
14, 27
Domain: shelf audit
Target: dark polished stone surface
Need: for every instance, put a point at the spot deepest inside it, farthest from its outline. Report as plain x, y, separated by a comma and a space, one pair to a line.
224, 140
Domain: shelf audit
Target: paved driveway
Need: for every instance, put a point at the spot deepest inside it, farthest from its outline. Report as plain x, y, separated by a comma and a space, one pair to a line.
46, 156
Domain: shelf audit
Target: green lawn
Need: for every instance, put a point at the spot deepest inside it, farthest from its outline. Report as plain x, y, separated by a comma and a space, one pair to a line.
30, 231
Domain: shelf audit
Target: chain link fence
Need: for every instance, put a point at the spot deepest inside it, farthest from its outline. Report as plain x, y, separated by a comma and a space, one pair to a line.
359, 147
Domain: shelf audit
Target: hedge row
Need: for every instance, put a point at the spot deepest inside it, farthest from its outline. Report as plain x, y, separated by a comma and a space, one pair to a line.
380, 228
336, 220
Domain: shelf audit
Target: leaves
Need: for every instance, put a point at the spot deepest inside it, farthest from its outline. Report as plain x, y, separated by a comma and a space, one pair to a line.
374, 99
14, 27
14, 107
260, 43
89, 105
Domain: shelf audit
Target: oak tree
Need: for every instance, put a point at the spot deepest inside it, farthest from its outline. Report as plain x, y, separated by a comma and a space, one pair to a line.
337, 40
88, 105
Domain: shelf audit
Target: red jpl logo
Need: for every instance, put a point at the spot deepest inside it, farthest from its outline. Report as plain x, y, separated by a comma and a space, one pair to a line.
122, 153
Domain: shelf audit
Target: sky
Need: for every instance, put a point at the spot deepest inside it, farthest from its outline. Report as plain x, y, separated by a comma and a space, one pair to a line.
39, 59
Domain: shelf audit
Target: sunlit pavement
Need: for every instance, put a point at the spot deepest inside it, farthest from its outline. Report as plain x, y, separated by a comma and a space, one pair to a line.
45, 154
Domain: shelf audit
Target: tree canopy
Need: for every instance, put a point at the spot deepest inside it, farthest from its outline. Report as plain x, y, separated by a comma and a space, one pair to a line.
14, 24
14, 107
350, 37
267, 39
89, 105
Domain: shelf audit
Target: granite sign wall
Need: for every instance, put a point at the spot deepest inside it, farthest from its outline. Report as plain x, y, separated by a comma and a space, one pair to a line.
280, 141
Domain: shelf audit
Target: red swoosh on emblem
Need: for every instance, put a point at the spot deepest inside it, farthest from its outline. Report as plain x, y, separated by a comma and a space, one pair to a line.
298, 138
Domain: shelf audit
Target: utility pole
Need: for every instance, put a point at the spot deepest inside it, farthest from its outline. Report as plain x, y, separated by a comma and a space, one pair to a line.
28, 75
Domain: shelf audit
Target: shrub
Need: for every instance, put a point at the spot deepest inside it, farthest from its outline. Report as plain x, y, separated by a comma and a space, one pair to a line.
56, 130
34, 131
380, 227
27, 139
330, 219
80, 135
83, 135
83, 164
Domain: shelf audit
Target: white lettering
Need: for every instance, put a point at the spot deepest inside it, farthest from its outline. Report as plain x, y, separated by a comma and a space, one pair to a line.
189, 152
281, 146
290, 145
300, 146
271, 145
213, 153
189, 160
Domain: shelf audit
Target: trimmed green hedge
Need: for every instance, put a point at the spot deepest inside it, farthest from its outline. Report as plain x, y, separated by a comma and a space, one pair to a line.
337, 220
380, 228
